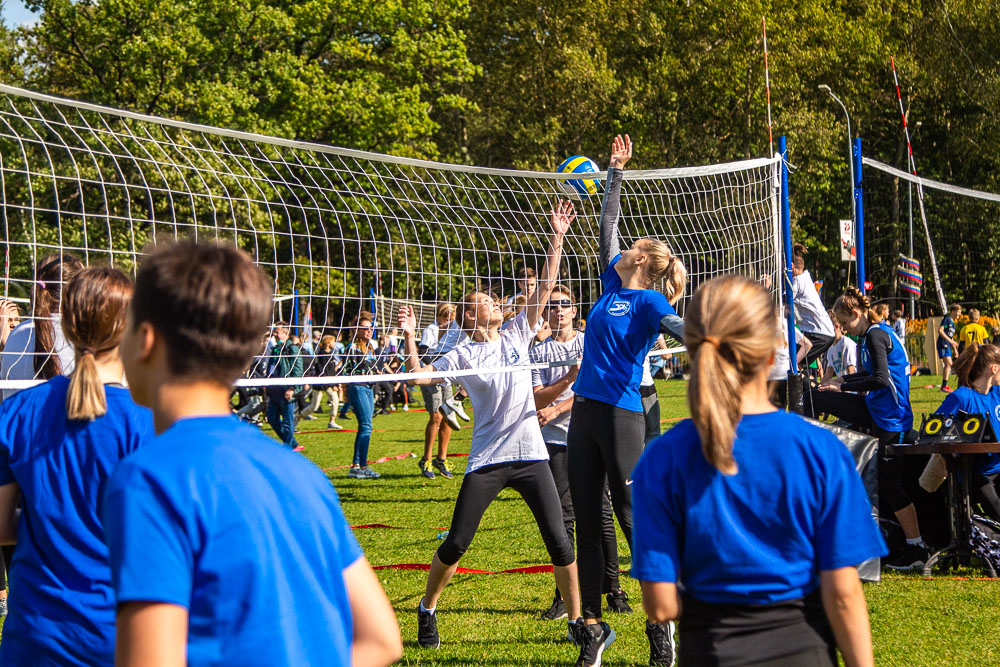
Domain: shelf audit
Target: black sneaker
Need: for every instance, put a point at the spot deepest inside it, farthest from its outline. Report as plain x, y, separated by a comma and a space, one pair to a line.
593, 640
427, 629
618, 602
556, 611
911, 557
662, 650
571, 632
443, 467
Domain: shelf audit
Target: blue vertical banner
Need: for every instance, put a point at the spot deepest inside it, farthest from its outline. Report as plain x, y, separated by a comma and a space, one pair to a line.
859, 223
786, 234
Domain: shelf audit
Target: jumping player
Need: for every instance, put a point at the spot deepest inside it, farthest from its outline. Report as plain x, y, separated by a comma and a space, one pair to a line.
507, 447
748, 518
607, 429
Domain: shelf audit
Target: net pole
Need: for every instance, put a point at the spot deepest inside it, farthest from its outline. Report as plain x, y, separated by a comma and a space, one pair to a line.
767, 87
920, 192
859, 212
786, 228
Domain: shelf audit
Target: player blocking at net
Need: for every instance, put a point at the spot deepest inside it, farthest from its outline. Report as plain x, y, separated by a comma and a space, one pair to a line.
507, 449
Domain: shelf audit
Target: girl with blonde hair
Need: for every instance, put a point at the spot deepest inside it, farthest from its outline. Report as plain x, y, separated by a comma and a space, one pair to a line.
750, 519
607, 428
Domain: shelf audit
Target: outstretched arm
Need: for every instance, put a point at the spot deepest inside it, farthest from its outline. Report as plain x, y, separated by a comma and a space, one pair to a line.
408, 325
621, 152
562, 216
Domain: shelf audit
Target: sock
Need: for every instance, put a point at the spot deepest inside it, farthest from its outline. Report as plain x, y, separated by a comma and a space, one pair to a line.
916, 541
425, 609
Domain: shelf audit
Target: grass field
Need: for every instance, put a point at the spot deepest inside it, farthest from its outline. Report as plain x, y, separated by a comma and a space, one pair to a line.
492, 619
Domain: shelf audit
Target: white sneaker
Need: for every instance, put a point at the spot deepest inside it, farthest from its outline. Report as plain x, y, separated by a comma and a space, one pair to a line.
450, 418
334, 426
457, 407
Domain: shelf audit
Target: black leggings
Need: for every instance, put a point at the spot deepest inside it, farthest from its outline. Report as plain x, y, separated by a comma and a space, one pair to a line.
853, 409
651, 412
558, 456
533, 480
820, 344
986, 493
604, 442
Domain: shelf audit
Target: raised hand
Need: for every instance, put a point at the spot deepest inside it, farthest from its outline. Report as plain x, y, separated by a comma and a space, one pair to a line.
407, 320
562, 216
621, 151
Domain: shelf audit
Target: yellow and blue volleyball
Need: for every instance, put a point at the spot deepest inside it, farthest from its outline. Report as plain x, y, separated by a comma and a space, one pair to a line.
579, 187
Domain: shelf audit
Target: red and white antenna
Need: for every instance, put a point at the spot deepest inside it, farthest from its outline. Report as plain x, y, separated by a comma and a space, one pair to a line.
920, 192
767, 86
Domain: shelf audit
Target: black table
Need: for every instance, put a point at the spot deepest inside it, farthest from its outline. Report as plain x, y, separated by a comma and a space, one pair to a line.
959, 500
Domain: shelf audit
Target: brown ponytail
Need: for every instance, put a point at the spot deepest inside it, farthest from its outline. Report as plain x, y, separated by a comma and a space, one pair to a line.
974, 361
51, 273
852, 299
663, 265
93, 318
730, 330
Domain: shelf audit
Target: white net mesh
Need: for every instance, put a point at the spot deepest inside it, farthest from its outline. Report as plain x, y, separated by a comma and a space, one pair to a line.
337, 230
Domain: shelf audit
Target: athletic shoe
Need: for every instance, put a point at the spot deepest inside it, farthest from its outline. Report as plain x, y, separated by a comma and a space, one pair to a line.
443, 467
911, 557
556, 611
450, 418
946, 389
662, 650
425, 468
334, 426
571, 632
310, 418
618, 602
355, 472
299, 448
593, 640
406, 408
368, 473
427, 629
457, 407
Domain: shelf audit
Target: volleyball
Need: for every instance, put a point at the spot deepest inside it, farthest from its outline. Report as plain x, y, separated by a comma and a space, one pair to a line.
579, 187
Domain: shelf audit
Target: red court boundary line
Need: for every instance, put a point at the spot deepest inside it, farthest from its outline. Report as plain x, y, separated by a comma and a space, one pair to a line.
533, 569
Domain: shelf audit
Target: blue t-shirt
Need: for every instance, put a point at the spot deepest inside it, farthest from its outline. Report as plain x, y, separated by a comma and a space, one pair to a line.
62, 607
621, 329
217, 518
889, 406
950, 328
795, 507
969, 400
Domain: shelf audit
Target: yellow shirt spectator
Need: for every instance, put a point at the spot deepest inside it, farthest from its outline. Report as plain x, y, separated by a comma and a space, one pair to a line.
973, 332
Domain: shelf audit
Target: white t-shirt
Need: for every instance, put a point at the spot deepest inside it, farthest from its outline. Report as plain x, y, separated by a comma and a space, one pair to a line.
810, 313
554, 432
782, 364
899, 326
842, 354
438, 342
17, 361
506, 426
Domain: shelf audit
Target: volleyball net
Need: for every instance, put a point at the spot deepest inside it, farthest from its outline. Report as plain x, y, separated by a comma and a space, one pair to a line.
341, 231
924, 239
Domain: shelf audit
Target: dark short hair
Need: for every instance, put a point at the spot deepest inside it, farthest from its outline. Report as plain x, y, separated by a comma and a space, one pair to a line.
209, 301
526, 272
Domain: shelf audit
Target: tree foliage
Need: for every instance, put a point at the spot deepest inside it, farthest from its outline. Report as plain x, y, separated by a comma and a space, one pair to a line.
527, 83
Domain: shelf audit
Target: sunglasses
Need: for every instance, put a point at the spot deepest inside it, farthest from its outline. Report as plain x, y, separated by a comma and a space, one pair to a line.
561, 303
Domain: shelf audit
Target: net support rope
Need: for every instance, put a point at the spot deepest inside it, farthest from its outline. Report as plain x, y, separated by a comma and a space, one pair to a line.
341, 231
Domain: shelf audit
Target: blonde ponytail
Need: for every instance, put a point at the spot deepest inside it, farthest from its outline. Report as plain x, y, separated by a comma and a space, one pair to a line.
730, 331
85, 399
663, 265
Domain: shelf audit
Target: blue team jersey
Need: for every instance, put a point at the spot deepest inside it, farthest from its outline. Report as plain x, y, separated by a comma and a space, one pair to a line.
889, 406
969, 400
249, 537
61, 602
950, 329
621, 329
795, 507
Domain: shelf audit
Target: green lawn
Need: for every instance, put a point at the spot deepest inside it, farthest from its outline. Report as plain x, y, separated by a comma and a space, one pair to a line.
492, 619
